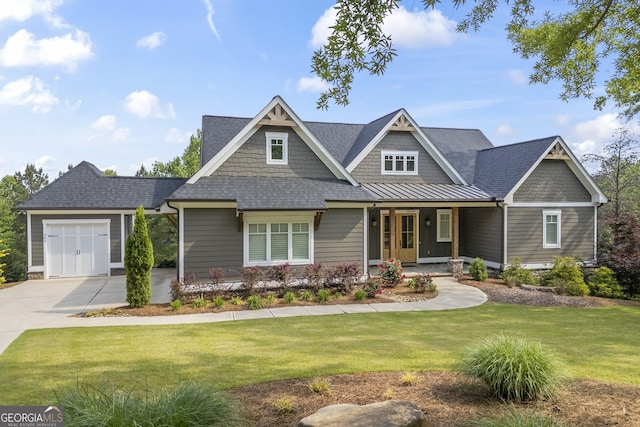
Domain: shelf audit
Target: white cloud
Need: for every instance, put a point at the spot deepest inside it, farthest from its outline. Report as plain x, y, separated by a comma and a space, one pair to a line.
147, 163
120, 134
153, 40
22, 50
175, 136
517, 77
563, 119
45, 162
312, 84
144, 104
591, 135
453, 107
106, 122
419, 29
210, 12
411, 30
505, 129
21, 10
28, 91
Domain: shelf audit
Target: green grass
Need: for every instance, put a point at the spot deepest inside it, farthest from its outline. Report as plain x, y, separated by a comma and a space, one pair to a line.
597, 343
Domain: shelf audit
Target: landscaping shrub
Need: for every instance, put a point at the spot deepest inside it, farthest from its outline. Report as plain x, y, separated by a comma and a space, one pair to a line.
324, 295
271, 299
359, 295
236, 300
372, 287
289, 297
176, 305
344, 276
189, 404
391, 272
199, 303
514, 369
515, 274
306, 296
515, 418
250, 277
478, 270
567, 277
603, 283
218, 302
314, 274
280, 273
3, 253
319, 385
254, 302
422, 283
138, 261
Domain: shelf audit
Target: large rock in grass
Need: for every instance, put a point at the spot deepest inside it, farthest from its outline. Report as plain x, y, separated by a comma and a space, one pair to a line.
391, 413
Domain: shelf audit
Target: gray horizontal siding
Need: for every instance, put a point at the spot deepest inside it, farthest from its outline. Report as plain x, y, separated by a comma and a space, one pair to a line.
428, 236
340, 237
552, 181
524, 234
429, 172
37, 230
481, 233
211, 239
251, 158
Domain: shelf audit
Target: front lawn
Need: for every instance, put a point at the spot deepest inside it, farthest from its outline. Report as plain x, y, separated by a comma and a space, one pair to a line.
595, 343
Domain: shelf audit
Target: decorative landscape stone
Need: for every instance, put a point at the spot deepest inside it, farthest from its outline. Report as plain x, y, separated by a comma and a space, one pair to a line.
391, 413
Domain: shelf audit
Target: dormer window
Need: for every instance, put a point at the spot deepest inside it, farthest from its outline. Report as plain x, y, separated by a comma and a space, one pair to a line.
277, 150
399, 162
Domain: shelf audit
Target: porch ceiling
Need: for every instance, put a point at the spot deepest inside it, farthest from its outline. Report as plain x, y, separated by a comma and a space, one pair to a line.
428, 193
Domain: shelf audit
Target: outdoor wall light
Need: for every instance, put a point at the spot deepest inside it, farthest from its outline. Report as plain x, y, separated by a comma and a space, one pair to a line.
374, 222
427, 221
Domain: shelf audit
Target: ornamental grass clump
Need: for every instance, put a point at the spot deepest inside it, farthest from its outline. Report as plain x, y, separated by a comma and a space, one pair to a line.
514, 369
391, 272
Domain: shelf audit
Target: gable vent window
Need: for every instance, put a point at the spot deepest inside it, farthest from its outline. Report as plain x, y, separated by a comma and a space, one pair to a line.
399, 162
277, 148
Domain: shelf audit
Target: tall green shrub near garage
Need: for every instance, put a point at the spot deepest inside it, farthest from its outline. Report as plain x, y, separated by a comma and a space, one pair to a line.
138, 261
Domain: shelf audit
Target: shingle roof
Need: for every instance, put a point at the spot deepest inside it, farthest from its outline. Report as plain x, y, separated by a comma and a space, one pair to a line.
499, 169
217, 132
427, 192
270, 193
86, 187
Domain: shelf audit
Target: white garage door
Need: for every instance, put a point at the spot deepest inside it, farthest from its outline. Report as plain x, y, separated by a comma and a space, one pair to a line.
76, 249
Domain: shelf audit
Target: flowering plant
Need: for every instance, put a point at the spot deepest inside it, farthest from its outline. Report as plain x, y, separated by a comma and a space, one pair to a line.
373, 287
391, 272
422, 283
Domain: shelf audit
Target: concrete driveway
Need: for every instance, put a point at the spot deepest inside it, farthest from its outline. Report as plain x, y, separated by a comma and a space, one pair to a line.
37, 304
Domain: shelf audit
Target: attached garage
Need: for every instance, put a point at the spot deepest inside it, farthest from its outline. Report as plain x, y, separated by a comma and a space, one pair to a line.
76, 248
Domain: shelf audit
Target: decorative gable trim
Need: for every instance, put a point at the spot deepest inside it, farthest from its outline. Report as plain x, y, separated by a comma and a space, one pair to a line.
276, 113
402, 121
277, 116
558, 150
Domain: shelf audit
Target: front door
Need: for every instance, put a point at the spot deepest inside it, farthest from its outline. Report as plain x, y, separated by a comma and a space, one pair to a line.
405, 237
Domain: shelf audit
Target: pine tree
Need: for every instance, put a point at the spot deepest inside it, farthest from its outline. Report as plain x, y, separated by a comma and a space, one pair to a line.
138, 261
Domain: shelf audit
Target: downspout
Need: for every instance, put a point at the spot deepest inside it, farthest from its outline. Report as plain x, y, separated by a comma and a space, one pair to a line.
500, 204
179, 240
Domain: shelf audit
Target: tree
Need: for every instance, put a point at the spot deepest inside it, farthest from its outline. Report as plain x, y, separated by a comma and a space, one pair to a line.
592, 36
184, 166
624, 254
138, 261
619, 171
32, 179
3, 253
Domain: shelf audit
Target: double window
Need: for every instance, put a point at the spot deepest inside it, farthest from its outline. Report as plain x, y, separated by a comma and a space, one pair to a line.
277, 148
270, 243
551, 230
399, 162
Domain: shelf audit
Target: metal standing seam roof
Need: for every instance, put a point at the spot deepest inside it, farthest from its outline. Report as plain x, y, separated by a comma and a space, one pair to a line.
428, 192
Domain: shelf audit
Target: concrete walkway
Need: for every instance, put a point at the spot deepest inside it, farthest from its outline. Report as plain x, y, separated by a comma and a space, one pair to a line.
38, 304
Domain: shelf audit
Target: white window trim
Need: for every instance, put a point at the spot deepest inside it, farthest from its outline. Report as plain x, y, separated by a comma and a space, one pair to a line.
439, 213
546, 245
383, 154
285, 148
270, 219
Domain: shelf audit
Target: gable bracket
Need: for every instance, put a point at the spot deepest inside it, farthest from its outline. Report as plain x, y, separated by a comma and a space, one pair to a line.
557, 153
316, 220
277, 117
402, 124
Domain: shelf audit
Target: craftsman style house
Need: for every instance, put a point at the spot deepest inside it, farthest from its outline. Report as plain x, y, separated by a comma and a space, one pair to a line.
273, 189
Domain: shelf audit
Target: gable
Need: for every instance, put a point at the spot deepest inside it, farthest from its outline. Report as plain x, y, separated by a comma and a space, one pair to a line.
275, 114
369, 169
552, 181
250, 158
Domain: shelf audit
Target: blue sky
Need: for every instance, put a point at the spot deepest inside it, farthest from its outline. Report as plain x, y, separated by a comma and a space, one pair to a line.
123, 83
